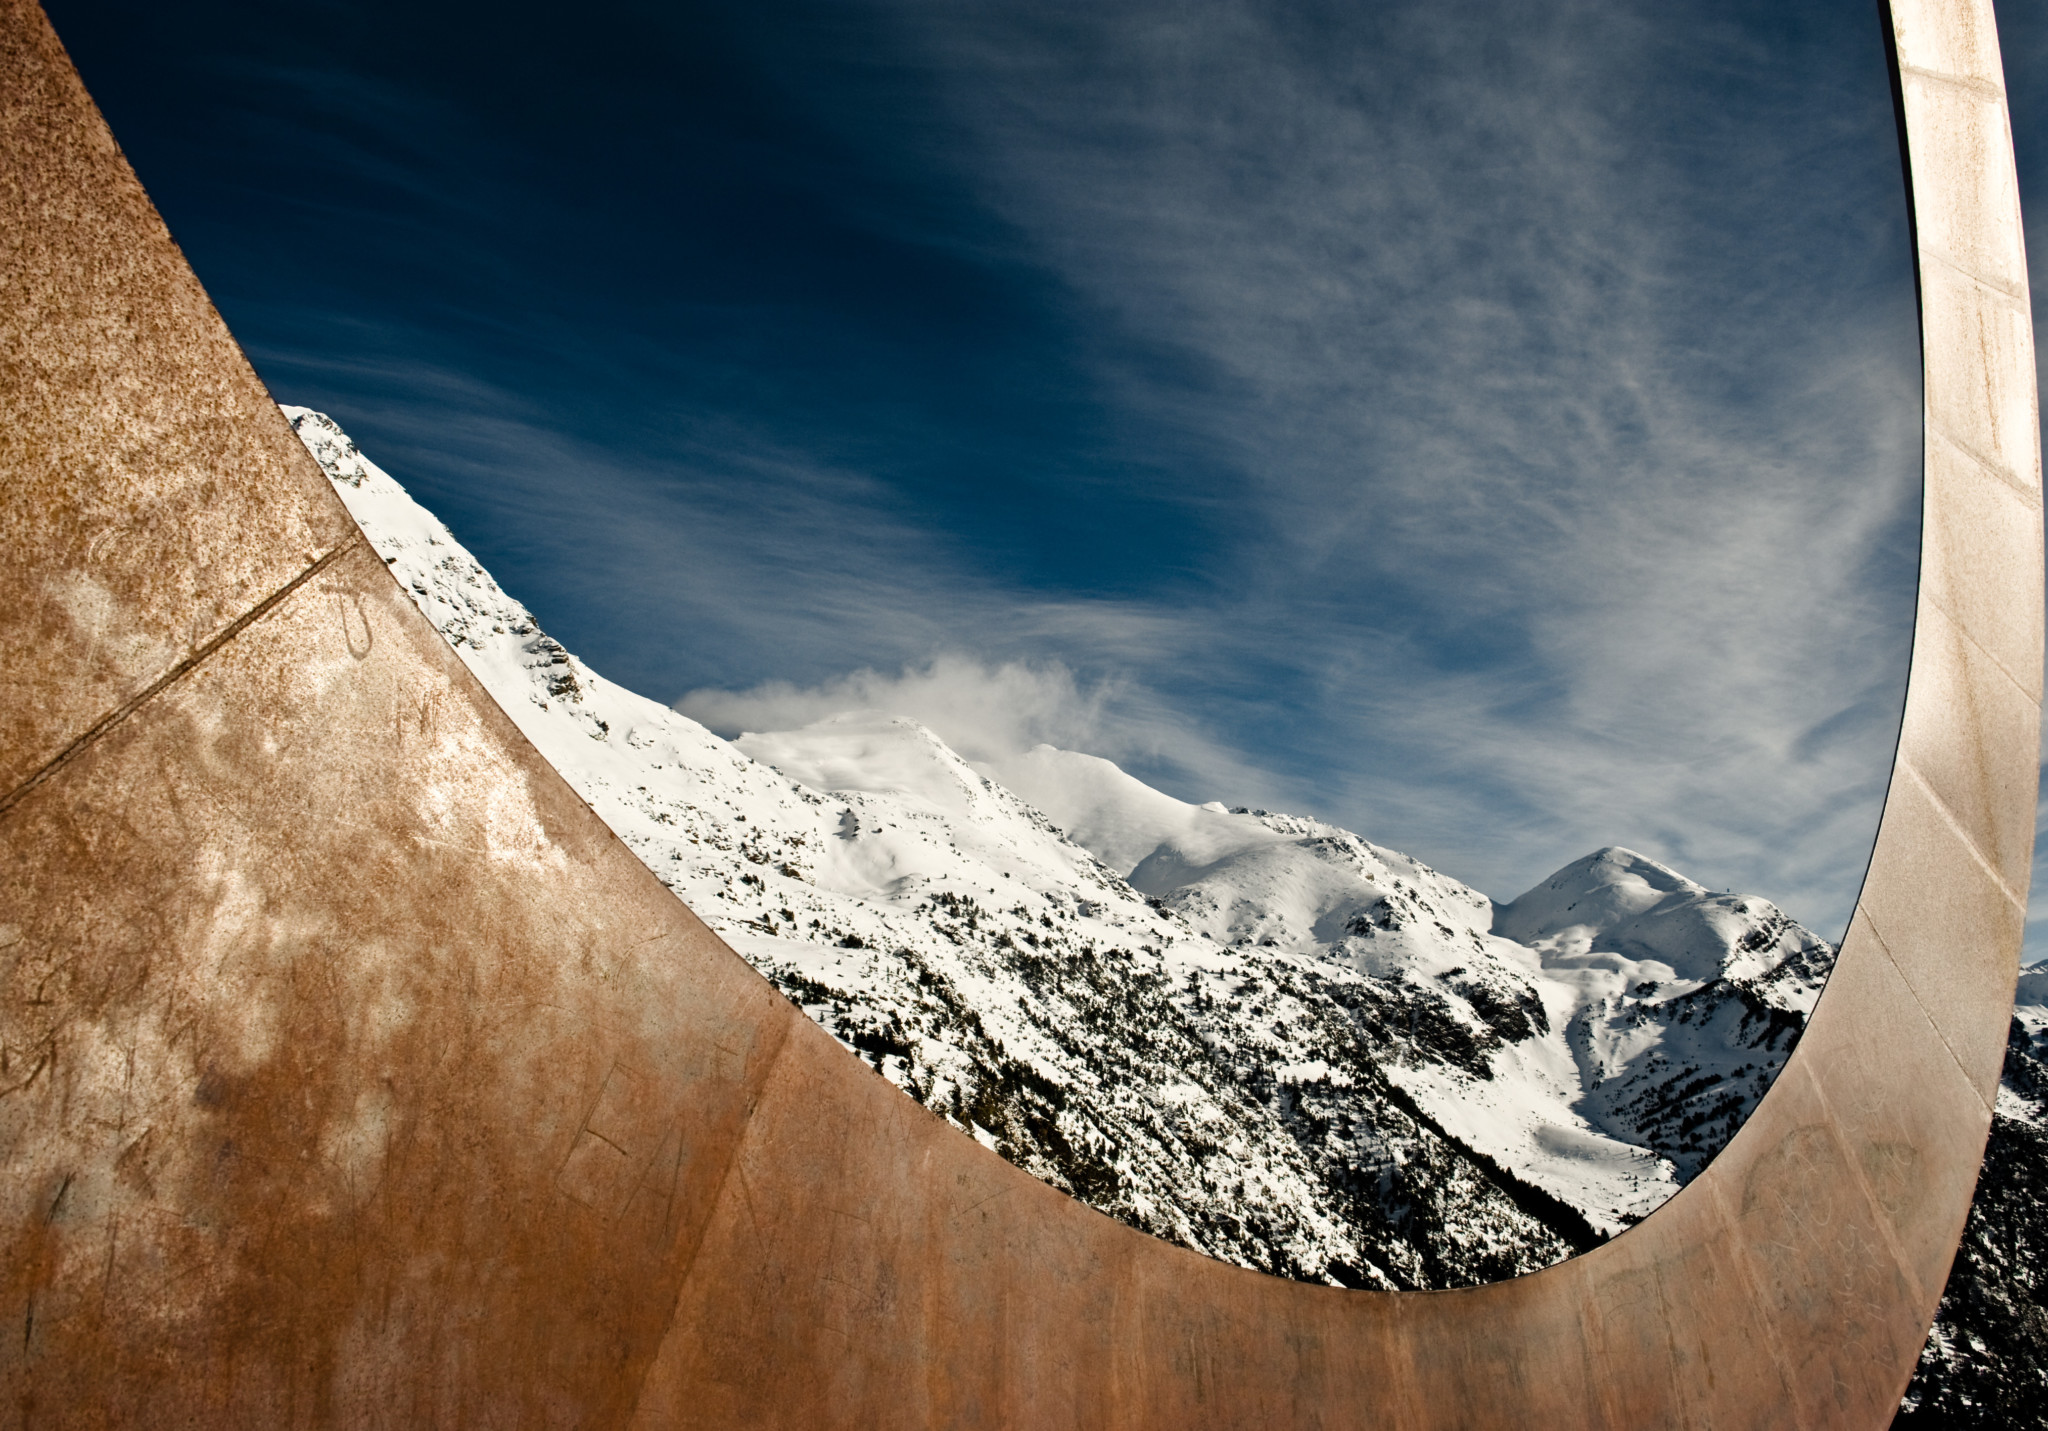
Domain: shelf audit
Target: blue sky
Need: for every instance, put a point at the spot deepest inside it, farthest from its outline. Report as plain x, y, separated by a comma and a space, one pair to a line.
1491, 427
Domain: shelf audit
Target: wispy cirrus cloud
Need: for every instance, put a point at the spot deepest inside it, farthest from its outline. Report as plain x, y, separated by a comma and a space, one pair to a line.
1492, 428
1560, 388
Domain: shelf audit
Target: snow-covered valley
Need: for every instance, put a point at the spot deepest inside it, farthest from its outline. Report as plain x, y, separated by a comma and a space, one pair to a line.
1255, 1034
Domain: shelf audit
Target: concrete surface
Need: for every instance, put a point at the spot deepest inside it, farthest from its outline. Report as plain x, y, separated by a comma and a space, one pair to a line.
351, 1072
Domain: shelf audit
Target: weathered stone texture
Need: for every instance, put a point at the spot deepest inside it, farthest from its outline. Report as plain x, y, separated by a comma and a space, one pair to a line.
351, 1071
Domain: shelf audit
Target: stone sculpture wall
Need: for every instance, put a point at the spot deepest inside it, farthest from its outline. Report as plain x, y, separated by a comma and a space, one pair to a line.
351, 1072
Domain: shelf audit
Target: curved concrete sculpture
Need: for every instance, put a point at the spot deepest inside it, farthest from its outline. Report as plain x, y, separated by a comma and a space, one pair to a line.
352, 1072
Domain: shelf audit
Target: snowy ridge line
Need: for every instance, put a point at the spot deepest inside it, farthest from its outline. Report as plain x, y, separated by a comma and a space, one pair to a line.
1254, 1034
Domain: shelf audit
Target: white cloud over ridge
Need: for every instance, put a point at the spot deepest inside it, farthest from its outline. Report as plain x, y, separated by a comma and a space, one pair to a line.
984, 712
1575, 480
1554, 445
990, 711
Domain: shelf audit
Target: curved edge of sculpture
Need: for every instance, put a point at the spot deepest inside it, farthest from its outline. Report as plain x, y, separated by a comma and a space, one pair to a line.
352, 1072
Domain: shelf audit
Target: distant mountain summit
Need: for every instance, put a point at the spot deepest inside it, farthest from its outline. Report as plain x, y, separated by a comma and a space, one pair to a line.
1688, 1001
1254, 1034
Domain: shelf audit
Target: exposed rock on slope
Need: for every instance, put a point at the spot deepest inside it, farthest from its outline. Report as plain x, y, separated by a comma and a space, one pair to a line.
993, 969
1254, 1034
1986, 1365
1601, 1035
1690, 1000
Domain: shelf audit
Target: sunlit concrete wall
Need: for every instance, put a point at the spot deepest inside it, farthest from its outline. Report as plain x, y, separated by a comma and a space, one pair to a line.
352, 1072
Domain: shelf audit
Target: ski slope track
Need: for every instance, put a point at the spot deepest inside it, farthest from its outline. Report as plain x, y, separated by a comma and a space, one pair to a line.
353, 1071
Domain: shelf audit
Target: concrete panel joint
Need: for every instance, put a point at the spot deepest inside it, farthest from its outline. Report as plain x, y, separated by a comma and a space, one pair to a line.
352, 1072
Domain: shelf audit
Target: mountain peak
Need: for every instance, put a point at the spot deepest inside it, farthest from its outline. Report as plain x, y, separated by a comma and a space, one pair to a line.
1254, 1034
1624, 903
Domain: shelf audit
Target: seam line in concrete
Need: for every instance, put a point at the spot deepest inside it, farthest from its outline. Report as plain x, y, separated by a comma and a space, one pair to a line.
1983, 88
1955, 621
1995, 469
1739, 1259
2015, 295
1921, 1006
1880, 1219
128, 707
1955, 827
733, 1169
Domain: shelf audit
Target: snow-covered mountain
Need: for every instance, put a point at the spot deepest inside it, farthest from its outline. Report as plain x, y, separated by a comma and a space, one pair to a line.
1986, 1362
1600, 1036
1233, 1099
1255, 1034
